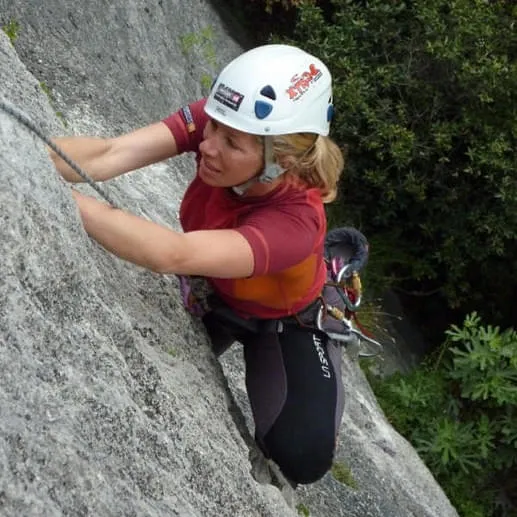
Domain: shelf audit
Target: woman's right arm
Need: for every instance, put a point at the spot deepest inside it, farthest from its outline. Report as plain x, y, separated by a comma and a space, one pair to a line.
106, 158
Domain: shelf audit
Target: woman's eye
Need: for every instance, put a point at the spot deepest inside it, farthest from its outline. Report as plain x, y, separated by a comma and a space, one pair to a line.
231, 143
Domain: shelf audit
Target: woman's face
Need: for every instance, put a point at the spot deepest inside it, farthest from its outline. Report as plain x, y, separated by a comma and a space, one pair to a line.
228, 157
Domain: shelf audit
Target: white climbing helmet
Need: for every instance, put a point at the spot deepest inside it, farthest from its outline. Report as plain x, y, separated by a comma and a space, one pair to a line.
273, 90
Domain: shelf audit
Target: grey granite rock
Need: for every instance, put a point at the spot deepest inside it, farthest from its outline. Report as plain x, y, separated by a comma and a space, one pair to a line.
111, 403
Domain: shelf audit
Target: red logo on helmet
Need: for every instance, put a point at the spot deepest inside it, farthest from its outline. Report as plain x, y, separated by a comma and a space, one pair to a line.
301, 83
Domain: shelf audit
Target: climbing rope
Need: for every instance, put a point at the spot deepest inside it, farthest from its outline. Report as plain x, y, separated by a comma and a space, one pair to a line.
18, 115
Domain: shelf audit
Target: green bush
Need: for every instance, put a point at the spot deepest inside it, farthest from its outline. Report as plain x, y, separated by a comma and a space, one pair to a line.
460, 413
426, 96
268, 5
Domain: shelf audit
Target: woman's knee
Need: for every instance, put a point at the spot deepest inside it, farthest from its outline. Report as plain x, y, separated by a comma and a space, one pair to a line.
302, 458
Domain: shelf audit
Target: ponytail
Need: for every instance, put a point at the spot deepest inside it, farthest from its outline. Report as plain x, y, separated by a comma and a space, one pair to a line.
314, 159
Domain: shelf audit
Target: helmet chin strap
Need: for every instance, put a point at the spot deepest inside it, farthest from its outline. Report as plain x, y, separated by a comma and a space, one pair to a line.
271, 171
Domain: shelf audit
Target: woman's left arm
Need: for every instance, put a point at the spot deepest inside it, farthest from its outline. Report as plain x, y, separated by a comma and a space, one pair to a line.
212, 253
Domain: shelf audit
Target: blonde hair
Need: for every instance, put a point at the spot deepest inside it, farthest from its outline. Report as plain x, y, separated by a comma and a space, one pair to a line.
314, 159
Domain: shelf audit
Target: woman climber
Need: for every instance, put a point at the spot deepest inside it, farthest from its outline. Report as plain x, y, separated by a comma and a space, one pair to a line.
254, 226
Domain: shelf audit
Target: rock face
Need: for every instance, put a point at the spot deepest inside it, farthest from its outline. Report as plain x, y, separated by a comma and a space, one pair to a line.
111, 403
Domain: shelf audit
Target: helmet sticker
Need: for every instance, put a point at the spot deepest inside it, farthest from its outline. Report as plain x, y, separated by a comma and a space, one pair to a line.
301, 83
230, 98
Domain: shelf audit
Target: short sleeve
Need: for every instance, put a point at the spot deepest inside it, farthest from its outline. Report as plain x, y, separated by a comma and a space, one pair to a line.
282, 237
187, 126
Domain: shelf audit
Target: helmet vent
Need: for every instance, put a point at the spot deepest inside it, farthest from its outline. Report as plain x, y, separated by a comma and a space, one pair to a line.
213, 82
268, 92
262, 109
330, 113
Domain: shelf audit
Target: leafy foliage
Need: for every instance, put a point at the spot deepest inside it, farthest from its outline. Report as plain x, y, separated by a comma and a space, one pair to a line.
11, 28
202, 42
342, 473
426, 95
285, 4
487, 363
460, 413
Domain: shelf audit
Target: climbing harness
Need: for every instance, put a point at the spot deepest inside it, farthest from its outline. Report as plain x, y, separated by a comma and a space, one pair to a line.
18, 115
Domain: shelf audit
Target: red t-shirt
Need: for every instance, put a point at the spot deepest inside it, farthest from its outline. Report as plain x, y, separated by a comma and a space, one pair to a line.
284, 228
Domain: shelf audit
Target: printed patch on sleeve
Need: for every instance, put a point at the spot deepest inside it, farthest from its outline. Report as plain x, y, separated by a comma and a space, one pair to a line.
189, 120
225, 95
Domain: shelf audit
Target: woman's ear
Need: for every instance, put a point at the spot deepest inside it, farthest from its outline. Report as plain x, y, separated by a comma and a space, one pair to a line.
286, 162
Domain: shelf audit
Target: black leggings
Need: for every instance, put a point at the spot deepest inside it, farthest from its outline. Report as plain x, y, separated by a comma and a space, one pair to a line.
293, 379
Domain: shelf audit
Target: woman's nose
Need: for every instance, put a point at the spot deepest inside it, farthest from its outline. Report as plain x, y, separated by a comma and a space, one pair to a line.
208, 146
